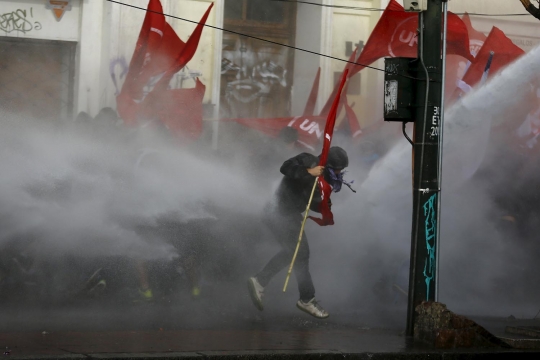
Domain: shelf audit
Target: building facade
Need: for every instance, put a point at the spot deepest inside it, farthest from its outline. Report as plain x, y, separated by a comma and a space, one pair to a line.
53, 67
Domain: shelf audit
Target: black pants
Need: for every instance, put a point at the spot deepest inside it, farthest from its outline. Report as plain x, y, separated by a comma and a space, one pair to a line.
286, 228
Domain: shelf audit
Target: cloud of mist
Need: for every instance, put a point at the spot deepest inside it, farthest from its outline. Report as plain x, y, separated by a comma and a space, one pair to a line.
482, 266
72, 191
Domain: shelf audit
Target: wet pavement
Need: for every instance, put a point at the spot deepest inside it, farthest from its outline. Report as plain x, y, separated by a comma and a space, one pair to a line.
157, 331
215, 325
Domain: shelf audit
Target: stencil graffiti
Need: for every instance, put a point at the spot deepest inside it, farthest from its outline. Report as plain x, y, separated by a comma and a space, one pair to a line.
431, 231
19, 21
254, 78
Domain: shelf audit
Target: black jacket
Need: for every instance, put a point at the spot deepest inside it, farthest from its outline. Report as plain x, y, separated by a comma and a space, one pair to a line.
293, 192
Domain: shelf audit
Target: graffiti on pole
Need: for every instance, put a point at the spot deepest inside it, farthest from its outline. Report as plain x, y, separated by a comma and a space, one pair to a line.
431, 232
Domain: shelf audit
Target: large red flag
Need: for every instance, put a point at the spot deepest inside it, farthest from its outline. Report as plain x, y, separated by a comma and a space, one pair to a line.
395, 35
348, 67
310, 128
149, 40
181, 111
456, 66
350, 123
476, 38
325, 188
505, 53
183, 57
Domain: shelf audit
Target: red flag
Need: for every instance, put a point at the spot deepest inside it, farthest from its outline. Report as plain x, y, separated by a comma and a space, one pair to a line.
181, 111
325, 188
505, 53
310, 128
395, 35
350, 122
348, 67
183, 57
312, 100
456, 66
476, 38
149, 40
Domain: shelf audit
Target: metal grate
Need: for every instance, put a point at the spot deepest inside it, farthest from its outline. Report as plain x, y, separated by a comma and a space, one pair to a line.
37, 77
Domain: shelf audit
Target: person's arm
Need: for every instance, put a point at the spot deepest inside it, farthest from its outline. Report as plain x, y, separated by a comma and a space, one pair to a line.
531, 8
295, 168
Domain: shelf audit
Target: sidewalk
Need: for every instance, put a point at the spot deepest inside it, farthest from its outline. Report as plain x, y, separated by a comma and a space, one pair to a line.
329, 340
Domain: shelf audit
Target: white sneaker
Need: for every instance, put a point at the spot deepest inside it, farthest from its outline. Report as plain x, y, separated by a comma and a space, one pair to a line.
313, 308
256, 291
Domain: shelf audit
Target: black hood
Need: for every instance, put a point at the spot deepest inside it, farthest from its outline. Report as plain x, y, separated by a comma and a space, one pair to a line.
337, 158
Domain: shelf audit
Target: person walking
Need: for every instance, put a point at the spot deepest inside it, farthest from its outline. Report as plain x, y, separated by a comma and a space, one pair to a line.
283, 216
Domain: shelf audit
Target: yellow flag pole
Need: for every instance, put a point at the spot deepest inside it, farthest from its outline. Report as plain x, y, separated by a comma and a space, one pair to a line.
300, 236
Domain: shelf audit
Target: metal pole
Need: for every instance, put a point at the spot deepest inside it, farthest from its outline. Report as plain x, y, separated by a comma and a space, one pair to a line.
422, 277
441, 133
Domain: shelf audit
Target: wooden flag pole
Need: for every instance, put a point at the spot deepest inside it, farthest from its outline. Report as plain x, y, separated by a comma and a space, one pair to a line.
300, 236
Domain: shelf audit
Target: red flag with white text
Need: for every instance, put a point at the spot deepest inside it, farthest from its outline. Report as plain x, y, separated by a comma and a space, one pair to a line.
395, 35
310, 128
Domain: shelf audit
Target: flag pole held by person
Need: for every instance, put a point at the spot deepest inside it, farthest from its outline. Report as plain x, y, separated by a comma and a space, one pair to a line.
327, 217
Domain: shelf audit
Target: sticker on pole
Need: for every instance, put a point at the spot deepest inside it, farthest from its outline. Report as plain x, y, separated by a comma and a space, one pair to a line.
58, 7
390, 96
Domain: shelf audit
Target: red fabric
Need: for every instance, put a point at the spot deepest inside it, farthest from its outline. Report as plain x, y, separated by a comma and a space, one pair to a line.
310, 128
352, 121
327, 218
159, 50
184, 56
181, 111
149, 40
349, 67
158, 61
505, 53
476, 38
456, 66
395, 36
312, 99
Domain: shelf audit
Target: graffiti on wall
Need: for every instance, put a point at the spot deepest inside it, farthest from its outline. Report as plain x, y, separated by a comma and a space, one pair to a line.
431, 233
19, 20
254, 78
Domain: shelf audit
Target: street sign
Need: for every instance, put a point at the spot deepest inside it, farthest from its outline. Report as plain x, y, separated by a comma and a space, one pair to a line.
58, 7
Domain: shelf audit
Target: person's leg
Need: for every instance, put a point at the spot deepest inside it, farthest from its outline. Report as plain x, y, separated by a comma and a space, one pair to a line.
275, 265
285, 230
301, 271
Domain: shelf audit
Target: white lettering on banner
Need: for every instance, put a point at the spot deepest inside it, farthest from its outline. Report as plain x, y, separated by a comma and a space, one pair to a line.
293, 121
305, 125
315, 129
328, 137
157, 31
403, 34
311, 127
